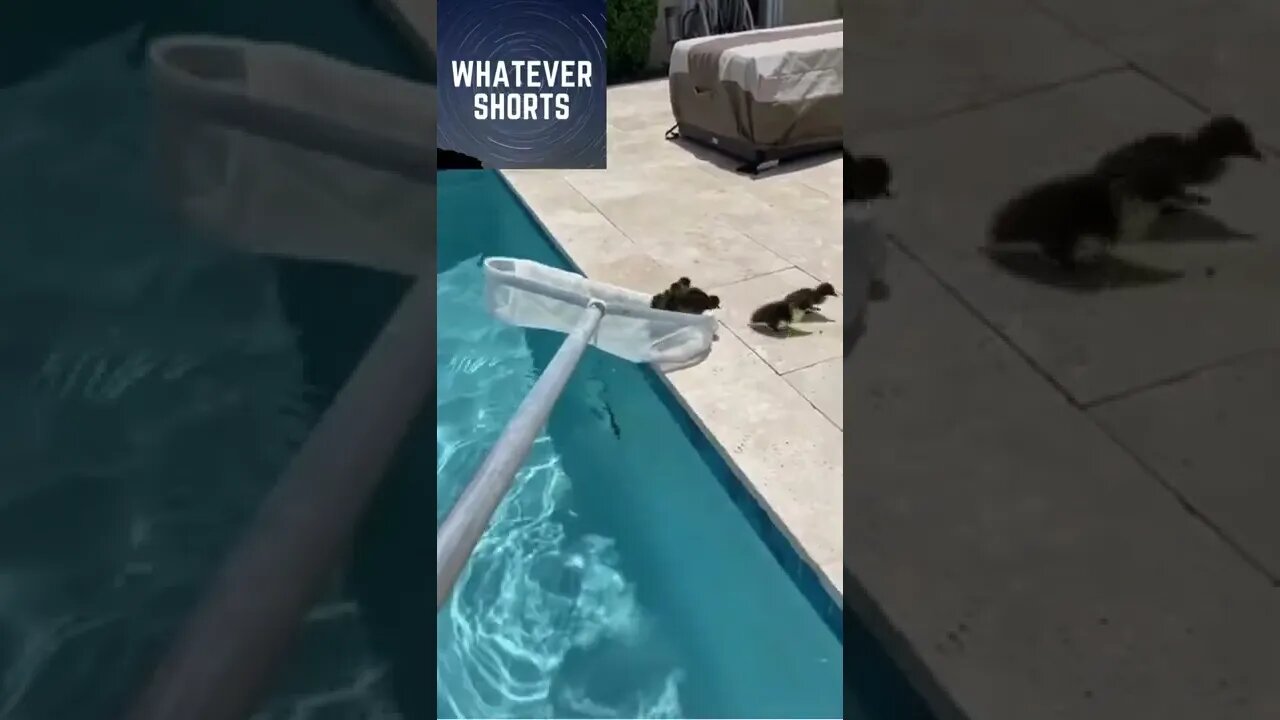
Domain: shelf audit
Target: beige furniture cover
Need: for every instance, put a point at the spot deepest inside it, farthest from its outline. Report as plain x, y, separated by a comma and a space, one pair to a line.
761, 95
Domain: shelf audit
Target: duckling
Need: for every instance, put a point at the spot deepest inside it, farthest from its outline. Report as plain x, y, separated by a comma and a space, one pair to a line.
664, 299
682, 296
1076, 218
808, 299
866, 178
777, 315
1197, 159
695, 301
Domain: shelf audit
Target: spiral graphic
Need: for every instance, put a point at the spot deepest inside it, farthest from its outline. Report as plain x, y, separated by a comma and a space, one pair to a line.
537, 30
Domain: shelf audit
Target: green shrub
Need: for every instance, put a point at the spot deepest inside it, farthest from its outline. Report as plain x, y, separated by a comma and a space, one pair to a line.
630, 26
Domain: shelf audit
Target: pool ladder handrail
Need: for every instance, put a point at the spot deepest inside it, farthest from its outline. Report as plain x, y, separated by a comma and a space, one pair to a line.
460, 533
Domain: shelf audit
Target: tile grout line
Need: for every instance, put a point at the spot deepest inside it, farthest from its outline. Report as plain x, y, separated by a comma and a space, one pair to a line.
1243, 554
1136, 67
565, 179
810, 365
1079, 32
1064, 394
753, 351
782, 376
1170, 380
756, 277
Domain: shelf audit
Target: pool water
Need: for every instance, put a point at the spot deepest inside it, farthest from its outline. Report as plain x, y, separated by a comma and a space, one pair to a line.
155, 383
620, 578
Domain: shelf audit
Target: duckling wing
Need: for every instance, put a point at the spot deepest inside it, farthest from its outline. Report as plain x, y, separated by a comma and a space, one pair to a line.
766, 313
803, 296
1049, 209
1163, 148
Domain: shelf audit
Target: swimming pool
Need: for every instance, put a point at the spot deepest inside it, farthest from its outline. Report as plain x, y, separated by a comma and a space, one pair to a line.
621, 578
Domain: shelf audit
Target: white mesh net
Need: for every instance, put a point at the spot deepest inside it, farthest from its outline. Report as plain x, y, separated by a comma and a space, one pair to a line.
284, 150
530, 294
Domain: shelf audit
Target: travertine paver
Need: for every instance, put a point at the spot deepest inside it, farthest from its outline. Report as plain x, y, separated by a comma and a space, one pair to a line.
1212, 437
815, 383
907, 60
664, 210
1028, 562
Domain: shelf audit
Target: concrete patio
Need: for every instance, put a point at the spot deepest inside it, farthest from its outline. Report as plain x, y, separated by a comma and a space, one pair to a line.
663, 210
1060, 501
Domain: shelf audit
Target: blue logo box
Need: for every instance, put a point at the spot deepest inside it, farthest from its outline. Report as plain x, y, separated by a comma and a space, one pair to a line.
522, 82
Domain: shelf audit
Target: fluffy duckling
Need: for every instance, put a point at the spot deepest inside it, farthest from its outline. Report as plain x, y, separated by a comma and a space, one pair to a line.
777, 315
808, 299
1197, 159
1075, 219
682, 296
695, 301
664, 299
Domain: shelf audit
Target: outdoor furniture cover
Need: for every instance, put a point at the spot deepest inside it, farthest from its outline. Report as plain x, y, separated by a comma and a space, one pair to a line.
761, 95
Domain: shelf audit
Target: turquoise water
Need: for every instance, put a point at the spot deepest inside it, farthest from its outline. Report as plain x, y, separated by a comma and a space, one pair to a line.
620, 579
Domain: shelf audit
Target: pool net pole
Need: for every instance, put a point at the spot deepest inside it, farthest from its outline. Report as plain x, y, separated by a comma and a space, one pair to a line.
461, 530
223, 661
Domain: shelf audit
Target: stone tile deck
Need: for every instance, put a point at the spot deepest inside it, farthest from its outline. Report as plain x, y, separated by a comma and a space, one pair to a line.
662, 210
1061, 500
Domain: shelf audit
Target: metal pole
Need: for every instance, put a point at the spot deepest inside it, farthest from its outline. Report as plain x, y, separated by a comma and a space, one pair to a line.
461, 531
225, 659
